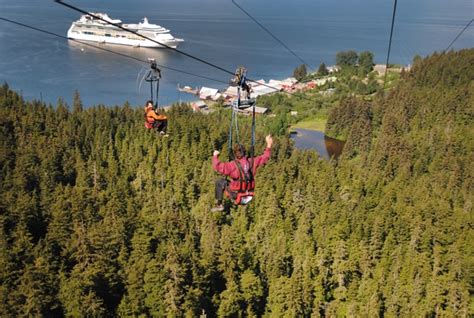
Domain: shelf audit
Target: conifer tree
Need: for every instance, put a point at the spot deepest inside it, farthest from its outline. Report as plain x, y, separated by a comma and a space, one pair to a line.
76, 103
100, 217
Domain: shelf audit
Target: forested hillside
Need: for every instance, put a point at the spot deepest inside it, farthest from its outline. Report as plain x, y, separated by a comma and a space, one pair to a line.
100, 217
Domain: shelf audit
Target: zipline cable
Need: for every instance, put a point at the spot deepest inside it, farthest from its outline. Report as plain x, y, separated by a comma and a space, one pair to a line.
129, 56
390, 41
271, 34
154, 76
110, 51
143, 36
252, 143
459, 34
229, 146
169, 47
240, 80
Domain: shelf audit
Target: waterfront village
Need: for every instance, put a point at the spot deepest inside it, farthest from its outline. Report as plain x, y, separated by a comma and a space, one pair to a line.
208, 97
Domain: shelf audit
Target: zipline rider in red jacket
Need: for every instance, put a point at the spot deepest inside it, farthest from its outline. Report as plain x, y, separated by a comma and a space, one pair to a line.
241, 172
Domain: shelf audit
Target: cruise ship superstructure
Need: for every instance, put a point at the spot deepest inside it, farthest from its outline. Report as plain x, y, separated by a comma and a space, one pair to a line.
88, 28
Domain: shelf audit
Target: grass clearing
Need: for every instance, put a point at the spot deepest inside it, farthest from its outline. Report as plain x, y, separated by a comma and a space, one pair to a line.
312, 123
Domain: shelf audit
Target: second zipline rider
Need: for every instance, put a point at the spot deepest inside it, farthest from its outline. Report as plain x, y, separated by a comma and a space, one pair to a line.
153, 120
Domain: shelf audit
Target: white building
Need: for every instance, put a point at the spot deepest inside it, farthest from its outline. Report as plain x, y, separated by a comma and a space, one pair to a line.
231, 91
258, 110
198, 105
380, 68
322, 81
262, 90
208, 93
256, 83
333, 69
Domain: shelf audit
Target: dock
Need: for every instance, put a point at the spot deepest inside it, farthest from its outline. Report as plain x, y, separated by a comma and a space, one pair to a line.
188, 90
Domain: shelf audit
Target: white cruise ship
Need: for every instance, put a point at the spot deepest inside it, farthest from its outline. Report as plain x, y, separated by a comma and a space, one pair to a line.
89, 28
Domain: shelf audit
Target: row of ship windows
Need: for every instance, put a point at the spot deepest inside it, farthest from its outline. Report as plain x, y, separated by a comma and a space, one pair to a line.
106, 34
101, 28
88, 26
110, 35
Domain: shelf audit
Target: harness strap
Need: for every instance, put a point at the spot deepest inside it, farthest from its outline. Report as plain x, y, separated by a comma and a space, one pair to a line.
252, 144
154, 75
241, 173
243, 177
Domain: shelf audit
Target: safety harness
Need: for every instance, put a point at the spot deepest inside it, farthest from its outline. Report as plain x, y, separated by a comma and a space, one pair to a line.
244, 193
153, 77
149, 121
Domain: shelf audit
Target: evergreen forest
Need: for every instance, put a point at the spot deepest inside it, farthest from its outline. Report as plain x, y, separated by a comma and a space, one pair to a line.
103, 218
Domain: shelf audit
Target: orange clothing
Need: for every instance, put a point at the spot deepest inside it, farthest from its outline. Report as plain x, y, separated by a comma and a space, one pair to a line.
151, 116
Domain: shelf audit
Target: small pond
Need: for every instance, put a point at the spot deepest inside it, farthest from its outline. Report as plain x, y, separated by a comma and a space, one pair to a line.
327, 147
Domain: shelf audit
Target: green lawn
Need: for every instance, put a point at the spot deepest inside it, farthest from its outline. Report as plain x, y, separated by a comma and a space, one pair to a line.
314, 123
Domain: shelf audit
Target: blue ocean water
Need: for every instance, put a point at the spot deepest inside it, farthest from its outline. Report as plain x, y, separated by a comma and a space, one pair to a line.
46, 67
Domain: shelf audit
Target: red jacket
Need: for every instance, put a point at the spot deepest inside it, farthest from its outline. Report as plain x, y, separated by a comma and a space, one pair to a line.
230, 168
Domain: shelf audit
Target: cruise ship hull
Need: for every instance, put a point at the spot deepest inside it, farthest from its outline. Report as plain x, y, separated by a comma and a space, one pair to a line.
93, 30
122, 41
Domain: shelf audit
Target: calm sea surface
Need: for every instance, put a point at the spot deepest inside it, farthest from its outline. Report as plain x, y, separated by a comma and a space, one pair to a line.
46, 67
